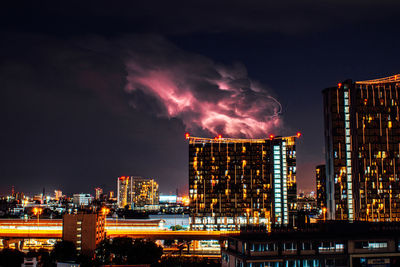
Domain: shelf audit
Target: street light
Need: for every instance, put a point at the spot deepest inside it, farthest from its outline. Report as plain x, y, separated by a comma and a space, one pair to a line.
105, 211
37, 212
324, 212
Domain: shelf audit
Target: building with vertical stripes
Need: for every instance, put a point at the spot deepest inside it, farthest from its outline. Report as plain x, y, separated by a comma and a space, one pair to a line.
234, 182
362, 144
124, 191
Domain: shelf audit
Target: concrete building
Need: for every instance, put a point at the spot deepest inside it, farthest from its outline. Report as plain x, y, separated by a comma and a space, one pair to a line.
85, 230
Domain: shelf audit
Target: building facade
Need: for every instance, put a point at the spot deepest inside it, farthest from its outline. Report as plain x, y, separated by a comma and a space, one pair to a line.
137, 192
320, 179
362, 144
124, 191
233, 182
85, 230
98, 193
58, 194
82, 199
145, 192
359, 244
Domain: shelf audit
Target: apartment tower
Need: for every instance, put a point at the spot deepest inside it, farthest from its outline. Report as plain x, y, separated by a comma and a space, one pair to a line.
362, 144
233, 182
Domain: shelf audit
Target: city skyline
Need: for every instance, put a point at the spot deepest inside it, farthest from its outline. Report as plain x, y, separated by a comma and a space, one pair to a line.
83, 103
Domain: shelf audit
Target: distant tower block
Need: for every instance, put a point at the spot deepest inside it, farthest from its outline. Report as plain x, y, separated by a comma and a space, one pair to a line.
320, 177
137, 192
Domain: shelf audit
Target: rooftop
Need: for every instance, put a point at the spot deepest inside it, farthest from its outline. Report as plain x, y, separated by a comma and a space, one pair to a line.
390, 79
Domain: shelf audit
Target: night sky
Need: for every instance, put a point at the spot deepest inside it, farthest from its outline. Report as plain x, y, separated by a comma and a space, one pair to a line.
93, 90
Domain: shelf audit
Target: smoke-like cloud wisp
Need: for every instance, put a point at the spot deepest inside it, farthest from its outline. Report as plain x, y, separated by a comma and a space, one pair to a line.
204, 95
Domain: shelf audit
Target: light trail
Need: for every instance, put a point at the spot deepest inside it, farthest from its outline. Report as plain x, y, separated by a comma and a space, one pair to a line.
129, 228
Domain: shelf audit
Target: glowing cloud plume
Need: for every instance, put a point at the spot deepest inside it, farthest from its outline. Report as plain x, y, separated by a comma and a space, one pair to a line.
218, 99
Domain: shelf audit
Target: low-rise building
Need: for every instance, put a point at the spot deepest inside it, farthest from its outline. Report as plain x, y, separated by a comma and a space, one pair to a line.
322, 244
82, 199
85, 230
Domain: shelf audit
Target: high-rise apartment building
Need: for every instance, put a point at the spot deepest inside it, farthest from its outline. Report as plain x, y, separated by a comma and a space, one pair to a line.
145, 192
320, 177
124, 191
98, 193
57, 194
362, 140
233, 182
137, 192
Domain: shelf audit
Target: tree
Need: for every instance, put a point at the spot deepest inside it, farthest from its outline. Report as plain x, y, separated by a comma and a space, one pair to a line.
103, 252
64, 251
11, 257
176, 227
144, 252
120, 247
42, 256
123, 250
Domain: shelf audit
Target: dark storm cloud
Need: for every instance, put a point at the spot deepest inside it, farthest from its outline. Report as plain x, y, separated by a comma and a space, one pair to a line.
204, 95
67, 123
180, 17
91, 108
58, 105
68, 120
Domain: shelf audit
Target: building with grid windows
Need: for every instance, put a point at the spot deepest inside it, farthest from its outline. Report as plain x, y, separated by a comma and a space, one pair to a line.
85, 230
233, 182
328, 244
124, 191
362, 144
137, 192
145, 193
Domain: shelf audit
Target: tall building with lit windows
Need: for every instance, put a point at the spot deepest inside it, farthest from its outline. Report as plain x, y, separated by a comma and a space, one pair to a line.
144, 192
98, 193
137, 192
234, 182
124, 191
362, 144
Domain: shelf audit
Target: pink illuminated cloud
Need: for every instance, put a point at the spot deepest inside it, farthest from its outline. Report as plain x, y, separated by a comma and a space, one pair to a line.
204, 95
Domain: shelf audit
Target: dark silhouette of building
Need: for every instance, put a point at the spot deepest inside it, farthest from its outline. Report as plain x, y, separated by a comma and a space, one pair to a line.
362, 140
85, 230
241, 181
320, 177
